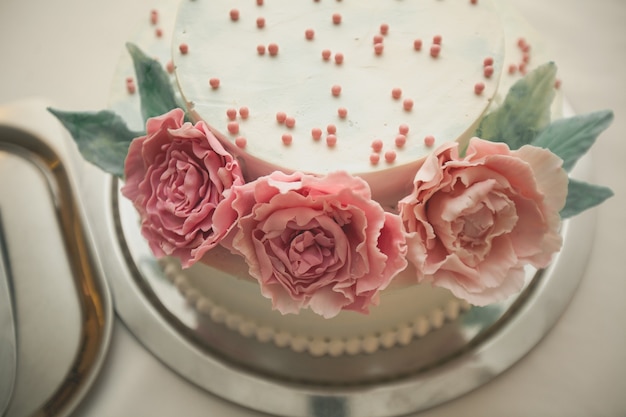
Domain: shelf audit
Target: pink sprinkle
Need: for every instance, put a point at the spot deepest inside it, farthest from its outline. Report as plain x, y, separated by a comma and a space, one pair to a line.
342, 112
158, 32
259, 2
526, 48
378, 48
521, 42
512, 69
408, 104
233, 127
378, 39
435, 50
479, 88
488, 71
384, 29
417, 44
241, 142
326, 54
260, 22
316, 133
336, 90
557, 84
290, 122
231, 114
272, 48
154, 17
234, 15
377, 145
429, 140
474, 1
129, 80
309, 34
437, 39
332, 129
281, 117
396, 93
522, 68
403, 129
336, 18
260, 49
526, 57
390, 156
214, 83
339, 58
400, 141
130, 87
244, 112
169, 66
183, 48
287, 139
488, 61
374, 159
331, 140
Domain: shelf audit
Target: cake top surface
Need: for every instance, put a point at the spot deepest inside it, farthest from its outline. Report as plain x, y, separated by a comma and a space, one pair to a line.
362, 92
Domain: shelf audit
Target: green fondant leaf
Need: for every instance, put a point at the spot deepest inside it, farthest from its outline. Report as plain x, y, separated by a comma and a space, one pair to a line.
524, 112
582, 196
155, 89
102, 138
571, 138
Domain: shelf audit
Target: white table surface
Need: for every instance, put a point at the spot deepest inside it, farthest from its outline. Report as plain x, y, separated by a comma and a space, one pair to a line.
66, 51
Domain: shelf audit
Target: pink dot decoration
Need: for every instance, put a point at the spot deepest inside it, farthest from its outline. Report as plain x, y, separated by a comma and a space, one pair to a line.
331, 140
396, 93
479, 88
290, 122
488, 61
244, 112
374, 158
309, 34
377, 145
473, 1
214, 83
241, 142
339, 58
234, 15
384, 29
557, 84
272, 48
260, 22
259, 2
417, 44
437, 39
332, 129
336, 90
233, 127
158, 32
488, 71
342, 112
378, 39
260, 49
403, 129
281, 117
390, 156
408, 104
336, 18
512, 69
131, 88
526, 57
183, 48
316, 133
231, 114
435, 50
400, 141
169, 66
429, 140
287, 139
326, 54
154, 17
378, 48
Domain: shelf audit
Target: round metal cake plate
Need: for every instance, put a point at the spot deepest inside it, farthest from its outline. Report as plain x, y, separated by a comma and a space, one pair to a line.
484, 346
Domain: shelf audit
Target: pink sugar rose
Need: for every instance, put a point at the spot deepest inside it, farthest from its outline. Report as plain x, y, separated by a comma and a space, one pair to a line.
177, 177
317, 242
475, 221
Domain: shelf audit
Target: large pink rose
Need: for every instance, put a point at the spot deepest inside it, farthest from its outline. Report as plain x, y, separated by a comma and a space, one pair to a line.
317, 242
475, 221
177, 176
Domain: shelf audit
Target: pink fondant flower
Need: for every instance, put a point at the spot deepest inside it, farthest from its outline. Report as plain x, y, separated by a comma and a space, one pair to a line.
177, 176
317, 242
475, 221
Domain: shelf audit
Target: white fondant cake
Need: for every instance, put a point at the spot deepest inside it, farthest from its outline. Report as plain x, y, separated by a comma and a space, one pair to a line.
299, 82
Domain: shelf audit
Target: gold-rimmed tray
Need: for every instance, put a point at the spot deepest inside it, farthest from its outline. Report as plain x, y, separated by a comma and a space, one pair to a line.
64, 312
